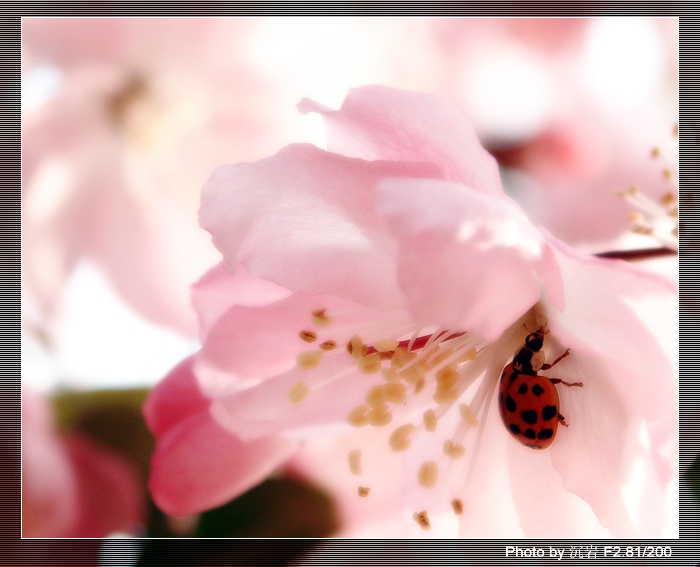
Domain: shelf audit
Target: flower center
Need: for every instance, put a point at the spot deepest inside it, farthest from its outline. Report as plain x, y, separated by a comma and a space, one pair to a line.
417, 381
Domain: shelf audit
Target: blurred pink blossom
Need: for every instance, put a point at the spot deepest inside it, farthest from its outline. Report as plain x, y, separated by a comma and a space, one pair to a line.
383, 285
71, 486
143, 109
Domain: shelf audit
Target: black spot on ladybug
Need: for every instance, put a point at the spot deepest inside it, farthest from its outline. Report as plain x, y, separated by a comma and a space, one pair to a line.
537, 389
545, 434
510, 403
514, 428
549, 412
529, 416
530, 434
523, 389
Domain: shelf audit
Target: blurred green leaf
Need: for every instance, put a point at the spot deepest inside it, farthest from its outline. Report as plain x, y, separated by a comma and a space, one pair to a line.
277, 508
113, 418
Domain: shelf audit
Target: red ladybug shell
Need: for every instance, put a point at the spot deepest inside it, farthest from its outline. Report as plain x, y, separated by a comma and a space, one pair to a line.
529, 407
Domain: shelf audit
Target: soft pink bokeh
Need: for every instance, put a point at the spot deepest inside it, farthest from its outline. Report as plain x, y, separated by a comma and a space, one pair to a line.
133, 115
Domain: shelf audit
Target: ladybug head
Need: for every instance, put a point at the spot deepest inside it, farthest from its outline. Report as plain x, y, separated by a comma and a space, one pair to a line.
535, 341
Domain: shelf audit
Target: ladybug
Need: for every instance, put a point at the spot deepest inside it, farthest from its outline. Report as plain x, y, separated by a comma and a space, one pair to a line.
528, 402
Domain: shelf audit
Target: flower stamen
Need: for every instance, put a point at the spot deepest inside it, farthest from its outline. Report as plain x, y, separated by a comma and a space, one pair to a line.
656, 218
308, 336
298, 392
354, 462
422, 519
309, 359
428, 474
400, 439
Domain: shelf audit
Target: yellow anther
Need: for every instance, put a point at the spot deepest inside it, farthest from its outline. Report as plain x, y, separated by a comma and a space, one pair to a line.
668, 198
400, 438
414, 373
327, 345
428, 474
447, 377
320, 318
655, 152
394, 392
298, 392
457, 506
440, 357
468, 415
445, 395
429, 420
642, 230
419, 386
356, 347
379, 416
402, 357
354, 461
363, 491
309, 359
422, 519
386, 345
308, 336
635, 217
358, 417
375, 396
390, 375
370, 363
453, 451
469, 355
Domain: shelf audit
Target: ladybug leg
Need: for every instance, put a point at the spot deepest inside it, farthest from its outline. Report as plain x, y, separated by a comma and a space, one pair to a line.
562, 420
560, 381
548, 366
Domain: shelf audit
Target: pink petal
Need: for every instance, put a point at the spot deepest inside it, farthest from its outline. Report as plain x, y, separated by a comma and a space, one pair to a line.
632, 319
597, 454
304, 219
220, 289
620, 451
111, 498
257, 342
542, 503
174, 399
198, 465
380, 123
466, 260
324, 461
265, 409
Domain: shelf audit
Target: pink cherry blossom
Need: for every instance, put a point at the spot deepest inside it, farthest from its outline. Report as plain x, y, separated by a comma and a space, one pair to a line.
72, 486
396, 281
